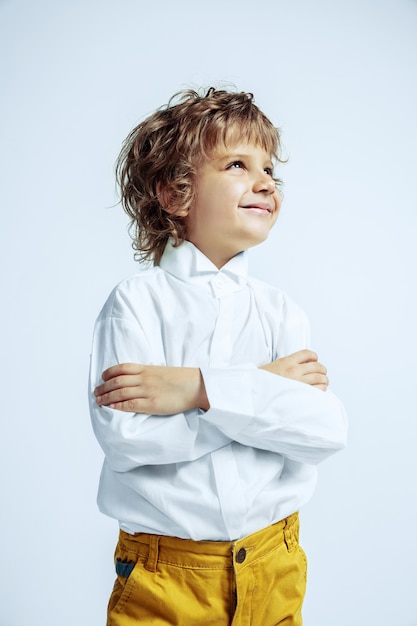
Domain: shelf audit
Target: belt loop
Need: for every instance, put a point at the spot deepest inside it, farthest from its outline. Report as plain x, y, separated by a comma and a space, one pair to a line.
291, 531
153, 553
288, 535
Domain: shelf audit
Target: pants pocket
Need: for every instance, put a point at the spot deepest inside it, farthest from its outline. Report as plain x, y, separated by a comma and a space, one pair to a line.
303, 561
123, 568
126, 579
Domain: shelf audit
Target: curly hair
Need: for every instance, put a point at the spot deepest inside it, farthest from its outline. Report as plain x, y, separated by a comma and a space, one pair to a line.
160, 157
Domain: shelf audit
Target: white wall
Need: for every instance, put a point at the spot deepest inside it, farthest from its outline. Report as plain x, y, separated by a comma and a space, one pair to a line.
340, 79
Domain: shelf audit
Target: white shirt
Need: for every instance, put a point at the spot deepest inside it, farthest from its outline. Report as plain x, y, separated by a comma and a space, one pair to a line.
249, 460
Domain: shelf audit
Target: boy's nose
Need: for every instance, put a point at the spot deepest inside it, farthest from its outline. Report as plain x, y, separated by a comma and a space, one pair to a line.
264, 183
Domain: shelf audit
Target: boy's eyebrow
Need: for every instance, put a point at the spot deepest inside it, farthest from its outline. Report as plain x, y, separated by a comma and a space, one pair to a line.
226, 156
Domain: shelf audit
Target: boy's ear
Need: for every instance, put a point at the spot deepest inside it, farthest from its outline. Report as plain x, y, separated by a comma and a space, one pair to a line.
168, 201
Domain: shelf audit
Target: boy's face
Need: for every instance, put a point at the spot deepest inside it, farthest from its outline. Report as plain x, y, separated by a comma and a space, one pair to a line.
236, 202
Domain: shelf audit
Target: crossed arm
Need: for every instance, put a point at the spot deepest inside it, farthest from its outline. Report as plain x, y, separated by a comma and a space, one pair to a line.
162, 390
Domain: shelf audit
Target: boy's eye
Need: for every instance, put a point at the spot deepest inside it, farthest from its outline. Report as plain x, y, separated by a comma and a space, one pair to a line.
240, 165
235, 164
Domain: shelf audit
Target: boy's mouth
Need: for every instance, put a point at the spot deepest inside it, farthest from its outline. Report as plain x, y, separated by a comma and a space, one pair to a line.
259, 207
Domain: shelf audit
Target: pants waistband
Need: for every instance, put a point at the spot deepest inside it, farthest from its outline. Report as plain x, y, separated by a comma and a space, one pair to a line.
210, 554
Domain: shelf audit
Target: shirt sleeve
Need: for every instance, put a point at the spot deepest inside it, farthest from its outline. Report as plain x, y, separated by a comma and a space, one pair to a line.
260, 409
130, 440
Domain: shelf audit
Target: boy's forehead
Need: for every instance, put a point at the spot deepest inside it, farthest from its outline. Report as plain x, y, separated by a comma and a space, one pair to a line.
237, 138
240, 147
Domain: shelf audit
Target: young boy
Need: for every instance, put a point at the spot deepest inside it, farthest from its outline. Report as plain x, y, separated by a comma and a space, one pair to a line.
210, 408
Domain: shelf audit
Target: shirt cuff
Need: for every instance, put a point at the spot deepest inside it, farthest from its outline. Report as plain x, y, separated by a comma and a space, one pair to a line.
230, 395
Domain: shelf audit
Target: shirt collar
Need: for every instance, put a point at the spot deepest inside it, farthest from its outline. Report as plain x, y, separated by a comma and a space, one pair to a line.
187, 263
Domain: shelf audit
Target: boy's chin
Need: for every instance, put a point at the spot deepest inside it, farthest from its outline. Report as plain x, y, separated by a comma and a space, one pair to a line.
258, 238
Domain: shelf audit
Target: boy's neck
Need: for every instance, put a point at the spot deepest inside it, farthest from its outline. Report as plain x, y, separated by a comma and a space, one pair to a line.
218, 260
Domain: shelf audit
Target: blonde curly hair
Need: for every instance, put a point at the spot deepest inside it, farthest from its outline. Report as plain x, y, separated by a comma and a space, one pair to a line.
157, 165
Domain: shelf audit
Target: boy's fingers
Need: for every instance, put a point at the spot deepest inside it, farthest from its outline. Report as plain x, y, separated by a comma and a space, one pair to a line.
117, 383
125, 406
304, 356
314, 367
120, 370
130, 406
118, 395
321, 387
316, 379
136, 405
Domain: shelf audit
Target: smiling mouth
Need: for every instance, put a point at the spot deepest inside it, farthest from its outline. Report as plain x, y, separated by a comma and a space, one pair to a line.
259, 207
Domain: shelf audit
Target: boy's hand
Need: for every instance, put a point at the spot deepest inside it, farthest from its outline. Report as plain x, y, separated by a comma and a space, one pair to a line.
152, 389
302, 366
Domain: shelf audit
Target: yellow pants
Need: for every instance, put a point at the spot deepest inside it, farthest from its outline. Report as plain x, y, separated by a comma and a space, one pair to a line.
256, 581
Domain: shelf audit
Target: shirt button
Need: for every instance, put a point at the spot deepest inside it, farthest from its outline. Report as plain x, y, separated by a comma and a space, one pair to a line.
219, 283
241, 555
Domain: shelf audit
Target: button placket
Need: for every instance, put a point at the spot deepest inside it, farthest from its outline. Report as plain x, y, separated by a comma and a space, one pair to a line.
229, 486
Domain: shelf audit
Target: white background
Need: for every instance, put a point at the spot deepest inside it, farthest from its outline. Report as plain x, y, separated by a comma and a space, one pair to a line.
339, 78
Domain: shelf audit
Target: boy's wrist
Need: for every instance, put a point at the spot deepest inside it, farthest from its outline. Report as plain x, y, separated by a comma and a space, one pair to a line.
203, 402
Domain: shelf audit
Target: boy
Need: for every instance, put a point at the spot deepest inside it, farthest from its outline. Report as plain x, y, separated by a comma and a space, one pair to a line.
210, 408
